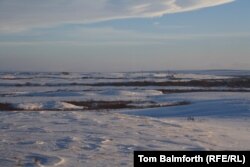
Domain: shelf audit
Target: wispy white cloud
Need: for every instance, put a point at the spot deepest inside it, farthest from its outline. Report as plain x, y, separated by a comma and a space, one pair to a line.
20, 15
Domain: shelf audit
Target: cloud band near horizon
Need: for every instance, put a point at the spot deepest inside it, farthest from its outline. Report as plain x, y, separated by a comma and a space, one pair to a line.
21, 15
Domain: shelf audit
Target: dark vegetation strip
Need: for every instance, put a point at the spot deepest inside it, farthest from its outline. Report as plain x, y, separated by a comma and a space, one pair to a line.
106, 105
64, 78
6, 107
98, 105
169, 91
233, 82
240, 83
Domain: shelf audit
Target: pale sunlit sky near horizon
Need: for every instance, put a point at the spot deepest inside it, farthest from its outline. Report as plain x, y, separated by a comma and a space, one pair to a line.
124, 35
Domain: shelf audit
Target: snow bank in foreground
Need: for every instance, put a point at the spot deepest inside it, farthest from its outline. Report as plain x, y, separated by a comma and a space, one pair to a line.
108, 139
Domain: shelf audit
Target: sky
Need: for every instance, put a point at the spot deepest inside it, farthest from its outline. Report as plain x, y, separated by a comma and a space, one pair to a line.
124, 35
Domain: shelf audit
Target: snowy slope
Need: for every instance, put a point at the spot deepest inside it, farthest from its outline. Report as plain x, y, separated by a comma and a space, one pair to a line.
64, 119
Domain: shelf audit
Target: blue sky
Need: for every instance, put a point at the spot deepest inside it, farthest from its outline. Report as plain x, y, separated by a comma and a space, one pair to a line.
124, 35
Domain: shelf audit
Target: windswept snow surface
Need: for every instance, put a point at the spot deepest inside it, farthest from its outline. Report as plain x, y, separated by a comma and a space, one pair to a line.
49, 129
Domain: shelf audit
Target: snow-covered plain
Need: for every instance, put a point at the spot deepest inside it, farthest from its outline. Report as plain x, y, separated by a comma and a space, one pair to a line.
45, 127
